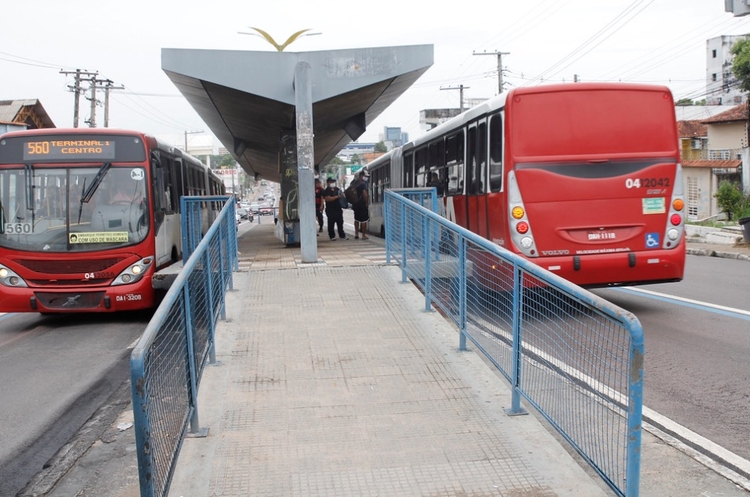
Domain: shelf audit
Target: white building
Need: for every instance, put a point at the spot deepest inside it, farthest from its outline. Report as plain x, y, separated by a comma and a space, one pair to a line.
721, 85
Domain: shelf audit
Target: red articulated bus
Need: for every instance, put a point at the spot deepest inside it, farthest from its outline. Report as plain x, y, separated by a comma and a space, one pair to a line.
582, 179
88, 216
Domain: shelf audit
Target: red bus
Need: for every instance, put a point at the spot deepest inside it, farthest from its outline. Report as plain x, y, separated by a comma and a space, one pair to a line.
582, 179
88, 216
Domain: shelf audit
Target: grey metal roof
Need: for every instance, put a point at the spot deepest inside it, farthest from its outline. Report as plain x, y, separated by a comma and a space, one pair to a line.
247, 98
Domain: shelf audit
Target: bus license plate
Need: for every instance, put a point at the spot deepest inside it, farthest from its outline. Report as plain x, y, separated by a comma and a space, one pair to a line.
602, 235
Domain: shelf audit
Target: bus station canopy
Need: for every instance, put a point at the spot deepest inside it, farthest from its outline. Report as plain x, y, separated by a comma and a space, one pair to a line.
248, 98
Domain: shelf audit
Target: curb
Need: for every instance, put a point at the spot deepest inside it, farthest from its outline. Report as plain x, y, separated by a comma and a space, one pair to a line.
717, 253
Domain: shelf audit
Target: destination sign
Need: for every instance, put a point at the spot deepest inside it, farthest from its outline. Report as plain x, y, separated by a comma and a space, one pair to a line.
69, 150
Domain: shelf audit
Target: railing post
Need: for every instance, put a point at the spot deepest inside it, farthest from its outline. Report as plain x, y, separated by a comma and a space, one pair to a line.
462, 291
402, 206
386, 222
212, 302
516, 409
195, 429
635, 413
427, 264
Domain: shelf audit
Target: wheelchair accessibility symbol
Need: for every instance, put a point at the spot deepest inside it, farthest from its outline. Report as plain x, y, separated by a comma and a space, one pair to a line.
652, 240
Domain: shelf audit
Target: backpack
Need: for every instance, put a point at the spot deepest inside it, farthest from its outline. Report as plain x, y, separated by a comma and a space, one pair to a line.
351, 193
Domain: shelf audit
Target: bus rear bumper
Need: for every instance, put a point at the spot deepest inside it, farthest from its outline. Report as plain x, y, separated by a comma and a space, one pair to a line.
617, 269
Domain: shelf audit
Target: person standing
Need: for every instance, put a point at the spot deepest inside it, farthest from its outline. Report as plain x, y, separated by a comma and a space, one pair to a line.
319, 204
362, 206
334, 213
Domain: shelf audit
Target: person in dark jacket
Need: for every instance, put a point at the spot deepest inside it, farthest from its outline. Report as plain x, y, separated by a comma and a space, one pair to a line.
319, 204
334, 213
362, 206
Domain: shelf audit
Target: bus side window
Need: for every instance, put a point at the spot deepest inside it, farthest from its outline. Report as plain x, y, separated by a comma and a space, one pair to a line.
496, 153
454, 156
420, 165
409, 170
159, 197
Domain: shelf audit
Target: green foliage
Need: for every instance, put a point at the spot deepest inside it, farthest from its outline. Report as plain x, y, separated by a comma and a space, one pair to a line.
744, 210
741, 63
730, 199
380, 147
686, 102
225, 161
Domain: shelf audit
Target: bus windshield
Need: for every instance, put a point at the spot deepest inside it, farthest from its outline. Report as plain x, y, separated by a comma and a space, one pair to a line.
73, 209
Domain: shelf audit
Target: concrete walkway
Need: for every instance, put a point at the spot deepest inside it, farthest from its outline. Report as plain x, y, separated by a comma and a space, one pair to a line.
333, 381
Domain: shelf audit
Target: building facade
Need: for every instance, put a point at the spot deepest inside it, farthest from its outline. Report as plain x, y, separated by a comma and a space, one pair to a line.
713, 150
721, 85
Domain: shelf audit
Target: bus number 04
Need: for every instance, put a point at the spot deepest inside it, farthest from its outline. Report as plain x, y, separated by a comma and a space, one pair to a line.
632, 183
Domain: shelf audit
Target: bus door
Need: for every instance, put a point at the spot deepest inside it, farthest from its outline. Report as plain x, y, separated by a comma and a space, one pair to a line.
476, 177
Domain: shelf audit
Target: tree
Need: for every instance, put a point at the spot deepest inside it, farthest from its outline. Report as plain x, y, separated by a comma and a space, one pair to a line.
684, 102
380, 147
225, 161
729, 197
741, 63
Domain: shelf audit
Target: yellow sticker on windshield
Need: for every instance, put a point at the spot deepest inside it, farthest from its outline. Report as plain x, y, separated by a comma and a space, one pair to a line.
101, 237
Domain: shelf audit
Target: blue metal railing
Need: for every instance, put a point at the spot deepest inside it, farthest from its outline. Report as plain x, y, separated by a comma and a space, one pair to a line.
167, 363
573, 356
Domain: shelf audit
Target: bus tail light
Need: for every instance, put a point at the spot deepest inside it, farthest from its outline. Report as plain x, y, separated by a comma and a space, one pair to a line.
134, 272
675, 218
520, 228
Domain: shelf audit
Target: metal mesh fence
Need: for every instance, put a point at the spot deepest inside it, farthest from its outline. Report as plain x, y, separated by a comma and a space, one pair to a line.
168, 361
574, 357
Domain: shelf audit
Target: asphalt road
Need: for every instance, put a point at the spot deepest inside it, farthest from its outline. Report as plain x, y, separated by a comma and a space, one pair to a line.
697, 371
55, 372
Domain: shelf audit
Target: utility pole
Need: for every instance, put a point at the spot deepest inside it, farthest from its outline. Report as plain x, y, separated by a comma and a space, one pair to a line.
76, 89
92, 118
190, 133
107, 88
499, 67
461, 94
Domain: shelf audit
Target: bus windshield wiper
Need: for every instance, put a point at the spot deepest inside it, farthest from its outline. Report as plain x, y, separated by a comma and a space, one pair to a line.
89, 192
30, 189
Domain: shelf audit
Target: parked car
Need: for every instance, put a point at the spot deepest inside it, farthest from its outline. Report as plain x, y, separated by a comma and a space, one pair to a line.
266, 211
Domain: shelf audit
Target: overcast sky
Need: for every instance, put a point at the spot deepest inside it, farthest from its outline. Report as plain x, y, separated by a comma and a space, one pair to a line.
645, 41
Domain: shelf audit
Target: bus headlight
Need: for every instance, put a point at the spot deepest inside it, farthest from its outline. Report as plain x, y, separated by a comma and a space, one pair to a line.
673, 234
11, 279
134, 272
527, 242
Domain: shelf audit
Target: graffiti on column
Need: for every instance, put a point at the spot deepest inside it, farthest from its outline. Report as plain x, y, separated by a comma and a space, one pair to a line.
289, 178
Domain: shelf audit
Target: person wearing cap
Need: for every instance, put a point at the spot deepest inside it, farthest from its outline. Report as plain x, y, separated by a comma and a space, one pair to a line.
361, 207
334, 213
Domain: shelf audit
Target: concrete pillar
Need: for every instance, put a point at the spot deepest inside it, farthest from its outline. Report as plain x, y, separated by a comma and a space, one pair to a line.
305, 162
